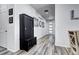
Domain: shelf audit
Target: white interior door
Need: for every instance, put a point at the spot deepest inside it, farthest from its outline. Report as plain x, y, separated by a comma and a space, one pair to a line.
3, 28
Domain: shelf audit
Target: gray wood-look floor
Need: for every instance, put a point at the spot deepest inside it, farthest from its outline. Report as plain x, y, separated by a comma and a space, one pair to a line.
45, 46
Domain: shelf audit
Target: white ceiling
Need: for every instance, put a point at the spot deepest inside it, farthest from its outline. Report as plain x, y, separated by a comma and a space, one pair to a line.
41, 7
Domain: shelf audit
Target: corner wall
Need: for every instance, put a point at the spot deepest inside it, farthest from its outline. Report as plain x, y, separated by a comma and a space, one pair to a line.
64, 23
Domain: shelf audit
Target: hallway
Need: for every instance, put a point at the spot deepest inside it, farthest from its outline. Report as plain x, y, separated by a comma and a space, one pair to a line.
26, 25
45, 46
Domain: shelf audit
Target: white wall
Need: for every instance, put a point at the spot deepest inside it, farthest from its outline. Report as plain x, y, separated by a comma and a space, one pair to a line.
27, 9
64, 23
53, 26
11, 32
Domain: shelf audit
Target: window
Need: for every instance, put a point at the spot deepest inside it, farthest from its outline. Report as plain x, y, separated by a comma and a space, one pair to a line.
50, 27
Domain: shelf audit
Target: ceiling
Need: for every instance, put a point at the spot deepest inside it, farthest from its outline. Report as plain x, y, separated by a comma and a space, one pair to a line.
40, 8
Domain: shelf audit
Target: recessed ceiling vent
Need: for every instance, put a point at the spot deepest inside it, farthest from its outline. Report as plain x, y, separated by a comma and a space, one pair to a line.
46, 11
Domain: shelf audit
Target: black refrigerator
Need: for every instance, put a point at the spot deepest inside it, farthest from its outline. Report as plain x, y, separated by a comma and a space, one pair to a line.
27, 39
